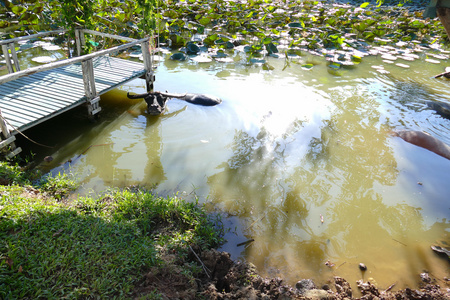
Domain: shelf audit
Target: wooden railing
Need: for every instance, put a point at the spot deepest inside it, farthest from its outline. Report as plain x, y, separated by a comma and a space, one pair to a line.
12, 60
15, 72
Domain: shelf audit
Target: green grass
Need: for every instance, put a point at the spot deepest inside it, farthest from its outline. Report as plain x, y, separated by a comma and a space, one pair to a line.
93, 248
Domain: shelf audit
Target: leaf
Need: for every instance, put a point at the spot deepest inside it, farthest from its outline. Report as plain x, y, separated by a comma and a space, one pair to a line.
93, 43
267, 40
20, 269
364, 5
307, 66
178, 56
9, 261
267, 67
296, 25
271, 48
18, 9
356, 58
58, 232
4, 24
205, 21
192, 48
201, 29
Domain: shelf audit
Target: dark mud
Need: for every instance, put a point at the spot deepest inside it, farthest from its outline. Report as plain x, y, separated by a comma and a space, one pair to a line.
223, 278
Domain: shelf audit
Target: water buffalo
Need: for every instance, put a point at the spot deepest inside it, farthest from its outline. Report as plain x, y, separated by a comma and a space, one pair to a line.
426, 141
441, 108
156, 101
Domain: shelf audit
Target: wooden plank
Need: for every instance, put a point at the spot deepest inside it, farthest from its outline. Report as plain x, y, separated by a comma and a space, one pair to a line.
43, 104
62, 80
30, 83
29, 107
118, 73
15, 120
34, 88
6, 142
14, 153
22, 113
5, 101
38, 99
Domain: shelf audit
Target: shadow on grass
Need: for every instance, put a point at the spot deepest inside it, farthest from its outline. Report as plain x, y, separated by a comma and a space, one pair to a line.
94, 247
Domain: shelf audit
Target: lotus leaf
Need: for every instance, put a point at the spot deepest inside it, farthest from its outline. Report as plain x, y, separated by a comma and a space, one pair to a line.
178, 56
192, 48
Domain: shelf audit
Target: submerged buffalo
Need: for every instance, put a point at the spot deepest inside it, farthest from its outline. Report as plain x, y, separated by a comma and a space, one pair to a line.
156, 101
442, 108
426, 141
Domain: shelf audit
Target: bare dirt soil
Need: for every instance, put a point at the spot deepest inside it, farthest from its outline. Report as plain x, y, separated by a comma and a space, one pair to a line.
224, 278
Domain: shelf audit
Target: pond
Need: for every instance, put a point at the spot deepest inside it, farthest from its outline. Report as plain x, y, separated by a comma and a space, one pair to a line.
302, 164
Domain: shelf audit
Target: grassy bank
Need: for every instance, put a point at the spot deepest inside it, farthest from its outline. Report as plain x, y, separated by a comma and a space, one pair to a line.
51, 247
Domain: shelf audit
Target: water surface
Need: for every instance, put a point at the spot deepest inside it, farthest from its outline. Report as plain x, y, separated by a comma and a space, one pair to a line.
301, 161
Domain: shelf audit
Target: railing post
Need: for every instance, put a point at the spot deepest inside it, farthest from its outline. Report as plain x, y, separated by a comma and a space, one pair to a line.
92, 98
8, 139
15, 61
147, 57
14, 57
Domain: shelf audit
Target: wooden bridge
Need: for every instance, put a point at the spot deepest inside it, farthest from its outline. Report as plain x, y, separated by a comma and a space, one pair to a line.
32, 96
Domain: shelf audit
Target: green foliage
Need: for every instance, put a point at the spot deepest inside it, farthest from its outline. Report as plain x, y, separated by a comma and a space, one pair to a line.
11, 174
58, 186
131, 18
93, 248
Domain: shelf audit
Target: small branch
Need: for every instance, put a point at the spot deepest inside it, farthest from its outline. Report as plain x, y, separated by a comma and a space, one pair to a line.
400, 242
255, 222
390, 287
203, 265
245, 243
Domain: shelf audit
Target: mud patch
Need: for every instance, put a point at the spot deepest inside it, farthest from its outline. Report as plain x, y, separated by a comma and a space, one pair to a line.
224, 278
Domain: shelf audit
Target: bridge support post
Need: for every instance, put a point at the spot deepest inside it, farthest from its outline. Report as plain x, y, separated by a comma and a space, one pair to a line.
15, 61
7, 139
147, 57
92, 98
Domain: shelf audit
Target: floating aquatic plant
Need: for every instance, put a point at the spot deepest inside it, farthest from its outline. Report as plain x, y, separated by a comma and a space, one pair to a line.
264, 27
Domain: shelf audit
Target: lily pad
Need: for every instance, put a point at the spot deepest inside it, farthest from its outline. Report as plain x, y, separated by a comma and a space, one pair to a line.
136, 54
402, 66
432, 61
267, 67
26, 46
51, 47
439, 56
219, 54
334, 70
224, 60
178, 56
307, 66
43, 59
408, 57
192, 48
202, 59
296, 25
389, 57
383, 71
257, 61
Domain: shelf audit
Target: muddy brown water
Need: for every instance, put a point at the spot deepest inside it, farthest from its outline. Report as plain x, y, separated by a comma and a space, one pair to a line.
301, 161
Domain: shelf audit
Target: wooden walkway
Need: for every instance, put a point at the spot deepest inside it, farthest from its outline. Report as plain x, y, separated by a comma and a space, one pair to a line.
30, 100
32, 96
